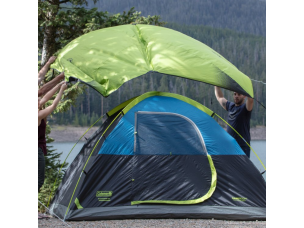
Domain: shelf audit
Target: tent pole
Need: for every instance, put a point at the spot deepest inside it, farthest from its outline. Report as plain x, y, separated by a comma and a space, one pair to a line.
87, 162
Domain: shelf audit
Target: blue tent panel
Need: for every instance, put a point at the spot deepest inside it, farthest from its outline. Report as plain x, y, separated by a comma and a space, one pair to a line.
217, 140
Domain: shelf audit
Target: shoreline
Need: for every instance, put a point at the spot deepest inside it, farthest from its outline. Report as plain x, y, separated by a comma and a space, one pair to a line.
62, 133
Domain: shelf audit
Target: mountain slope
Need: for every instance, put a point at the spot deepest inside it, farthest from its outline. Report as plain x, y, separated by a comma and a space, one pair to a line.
240, 15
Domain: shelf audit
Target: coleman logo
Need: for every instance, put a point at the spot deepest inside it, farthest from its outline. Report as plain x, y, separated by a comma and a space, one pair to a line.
103, 193
239, 198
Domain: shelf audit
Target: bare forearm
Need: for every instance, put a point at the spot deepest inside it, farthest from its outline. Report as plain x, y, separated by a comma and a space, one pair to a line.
43, 72
220, 97
57, 99
49, 95
45, 112
218, 92
48, 86
249, 103
44, 69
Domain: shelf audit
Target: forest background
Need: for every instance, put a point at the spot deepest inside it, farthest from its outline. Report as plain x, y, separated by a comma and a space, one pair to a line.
236, 29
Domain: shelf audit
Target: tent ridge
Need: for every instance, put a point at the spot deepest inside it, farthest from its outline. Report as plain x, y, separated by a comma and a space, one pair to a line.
144, 48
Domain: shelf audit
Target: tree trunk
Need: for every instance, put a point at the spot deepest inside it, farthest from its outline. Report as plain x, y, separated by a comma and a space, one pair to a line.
170, 85
151, 82
88, 101
119, 91
49, 43
142, 85
258, 98
71, 112
183, 87
101, 105
131, 88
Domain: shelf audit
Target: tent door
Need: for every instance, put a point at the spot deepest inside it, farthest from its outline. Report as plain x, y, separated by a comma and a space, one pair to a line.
171, 160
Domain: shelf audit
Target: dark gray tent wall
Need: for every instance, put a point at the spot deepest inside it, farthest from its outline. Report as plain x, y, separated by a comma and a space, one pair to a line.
65, 190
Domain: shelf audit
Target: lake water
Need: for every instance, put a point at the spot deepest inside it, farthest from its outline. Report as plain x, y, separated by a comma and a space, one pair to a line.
258, 146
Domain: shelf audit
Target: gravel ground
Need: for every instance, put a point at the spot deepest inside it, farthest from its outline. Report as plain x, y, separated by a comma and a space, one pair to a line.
182, 223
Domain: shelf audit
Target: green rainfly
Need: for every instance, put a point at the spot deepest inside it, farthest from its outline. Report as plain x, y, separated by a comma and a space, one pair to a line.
107, 58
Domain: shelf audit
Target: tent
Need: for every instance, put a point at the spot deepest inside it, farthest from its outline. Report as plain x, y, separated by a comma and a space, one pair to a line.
107, 58
161, 155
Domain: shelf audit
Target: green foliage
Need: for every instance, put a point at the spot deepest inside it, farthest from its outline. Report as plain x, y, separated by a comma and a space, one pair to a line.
52, 167
104, 20
76, 120
72, 22
93, 118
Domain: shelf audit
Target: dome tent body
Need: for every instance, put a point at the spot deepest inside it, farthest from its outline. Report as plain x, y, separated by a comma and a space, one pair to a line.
161, 155
107, 58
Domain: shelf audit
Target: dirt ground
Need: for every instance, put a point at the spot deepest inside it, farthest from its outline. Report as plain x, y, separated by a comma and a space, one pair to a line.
72, 134
155, 223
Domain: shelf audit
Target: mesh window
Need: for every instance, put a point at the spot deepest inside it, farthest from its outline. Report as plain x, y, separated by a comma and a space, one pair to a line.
160, 133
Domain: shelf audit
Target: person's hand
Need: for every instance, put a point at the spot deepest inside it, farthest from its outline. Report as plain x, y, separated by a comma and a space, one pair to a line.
60, 84
60, 76
52, 59
63, 86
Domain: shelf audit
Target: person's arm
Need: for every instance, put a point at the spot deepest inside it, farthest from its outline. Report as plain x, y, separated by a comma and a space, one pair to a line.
49, 95
48, 86
249, 104
47, 111
220, 97
44, 69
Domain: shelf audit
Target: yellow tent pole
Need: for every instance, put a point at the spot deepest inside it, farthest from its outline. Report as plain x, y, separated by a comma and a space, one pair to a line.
68, 156
242, 138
